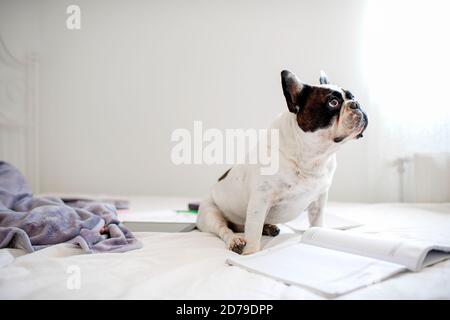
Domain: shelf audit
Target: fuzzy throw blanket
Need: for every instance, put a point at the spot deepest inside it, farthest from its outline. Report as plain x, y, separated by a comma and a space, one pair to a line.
33, 223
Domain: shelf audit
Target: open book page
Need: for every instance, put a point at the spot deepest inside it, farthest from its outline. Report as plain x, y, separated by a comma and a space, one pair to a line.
169, 216
435, 256
325, 271
407, 252
331, 221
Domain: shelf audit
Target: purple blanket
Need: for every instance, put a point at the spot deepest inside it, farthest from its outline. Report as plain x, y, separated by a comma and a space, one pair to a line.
33, 223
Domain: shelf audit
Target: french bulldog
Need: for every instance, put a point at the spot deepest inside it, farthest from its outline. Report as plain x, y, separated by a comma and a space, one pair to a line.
319, 120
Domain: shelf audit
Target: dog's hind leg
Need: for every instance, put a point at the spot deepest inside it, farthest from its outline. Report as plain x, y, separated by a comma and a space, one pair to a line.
270, 230
236, 227
211, 219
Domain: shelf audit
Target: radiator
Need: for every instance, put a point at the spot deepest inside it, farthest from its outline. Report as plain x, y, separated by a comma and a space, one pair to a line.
431, 176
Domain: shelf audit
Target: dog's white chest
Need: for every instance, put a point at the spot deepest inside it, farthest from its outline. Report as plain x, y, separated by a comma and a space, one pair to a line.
295, 195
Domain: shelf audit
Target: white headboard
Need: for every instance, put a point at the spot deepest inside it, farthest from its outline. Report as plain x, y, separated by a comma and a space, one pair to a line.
19, 112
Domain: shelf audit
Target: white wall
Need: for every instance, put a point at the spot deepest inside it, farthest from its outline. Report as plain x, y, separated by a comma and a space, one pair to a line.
112, 92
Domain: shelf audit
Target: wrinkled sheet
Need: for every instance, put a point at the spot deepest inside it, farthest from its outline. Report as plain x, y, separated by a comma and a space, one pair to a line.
192, 265
33, 223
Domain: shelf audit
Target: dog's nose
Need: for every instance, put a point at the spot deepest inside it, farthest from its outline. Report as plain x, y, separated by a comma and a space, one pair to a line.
354, 105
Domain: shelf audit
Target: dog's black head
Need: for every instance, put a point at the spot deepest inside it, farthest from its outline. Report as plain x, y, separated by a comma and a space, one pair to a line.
324, 108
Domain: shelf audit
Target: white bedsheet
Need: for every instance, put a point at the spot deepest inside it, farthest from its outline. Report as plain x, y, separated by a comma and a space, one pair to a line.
192, 265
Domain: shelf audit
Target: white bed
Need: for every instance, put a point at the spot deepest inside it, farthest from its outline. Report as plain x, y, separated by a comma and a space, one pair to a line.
192, 265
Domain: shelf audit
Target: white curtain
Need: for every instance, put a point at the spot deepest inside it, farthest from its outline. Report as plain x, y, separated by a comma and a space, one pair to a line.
406, 63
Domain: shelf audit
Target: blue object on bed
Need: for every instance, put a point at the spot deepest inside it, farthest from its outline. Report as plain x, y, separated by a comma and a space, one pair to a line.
33, 223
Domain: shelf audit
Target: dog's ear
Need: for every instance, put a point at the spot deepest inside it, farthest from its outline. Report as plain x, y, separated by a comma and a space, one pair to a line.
293, 90
323, 78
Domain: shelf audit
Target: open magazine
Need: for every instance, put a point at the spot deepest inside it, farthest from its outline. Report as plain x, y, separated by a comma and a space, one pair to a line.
332, 262
332, 221
159, 220
167, 220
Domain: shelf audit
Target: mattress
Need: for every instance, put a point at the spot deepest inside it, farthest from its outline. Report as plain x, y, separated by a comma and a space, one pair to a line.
191, 265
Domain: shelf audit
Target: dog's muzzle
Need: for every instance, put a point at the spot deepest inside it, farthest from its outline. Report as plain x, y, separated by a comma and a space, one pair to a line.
364, 123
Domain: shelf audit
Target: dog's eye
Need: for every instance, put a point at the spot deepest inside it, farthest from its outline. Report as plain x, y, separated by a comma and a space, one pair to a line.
333, 103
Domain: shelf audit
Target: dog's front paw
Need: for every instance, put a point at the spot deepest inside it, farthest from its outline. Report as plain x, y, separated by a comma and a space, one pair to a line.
271, 230
237, 244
